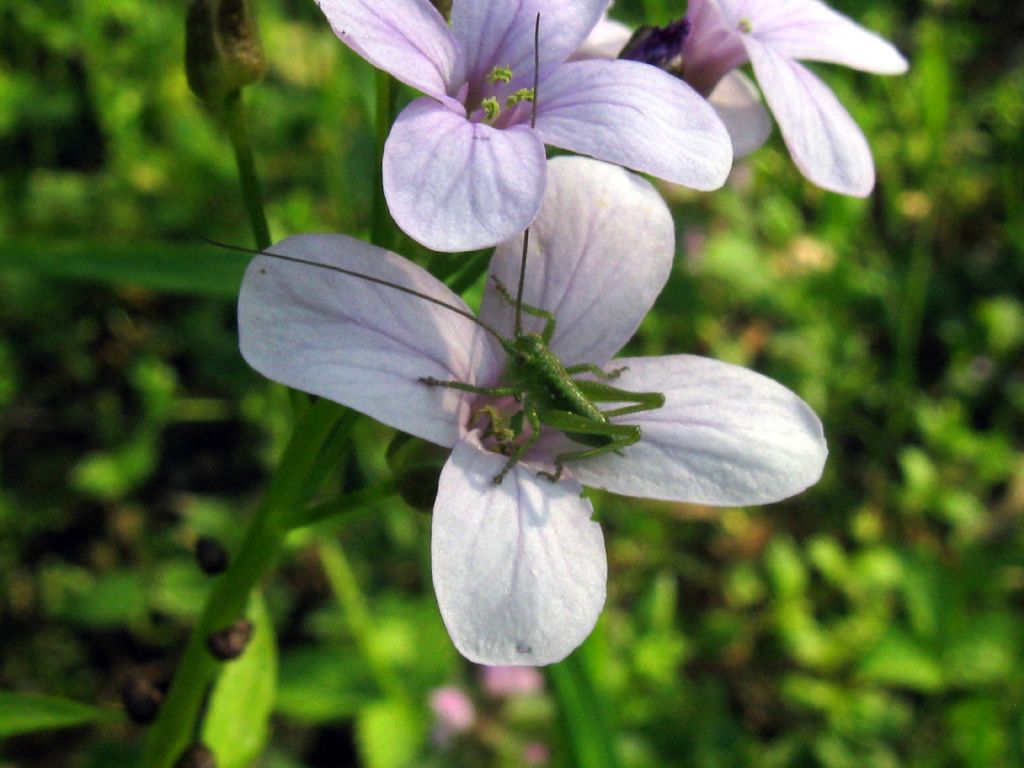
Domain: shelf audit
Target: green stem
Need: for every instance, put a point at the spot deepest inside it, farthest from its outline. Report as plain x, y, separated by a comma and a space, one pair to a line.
364, 498
583, 714
346, 589
382, 227
288, 491
252, 192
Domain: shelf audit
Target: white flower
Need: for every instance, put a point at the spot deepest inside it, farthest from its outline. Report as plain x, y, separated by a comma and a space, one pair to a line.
519, 567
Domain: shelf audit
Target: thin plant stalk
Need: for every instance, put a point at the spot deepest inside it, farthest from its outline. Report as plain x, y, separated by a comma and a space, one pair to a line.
288, 493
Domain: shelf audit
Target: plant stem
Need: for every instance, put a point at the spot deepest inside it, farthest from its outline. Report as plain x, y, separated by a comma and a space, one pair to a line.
252, 192
383, 229
583, 714
346, 589
289, 490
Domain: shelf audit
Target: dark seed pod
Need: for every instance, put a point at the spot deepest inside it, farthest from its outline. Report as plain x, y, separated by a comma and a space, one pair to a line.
196, 756
229, 642
211, 555
223, 52
141, 699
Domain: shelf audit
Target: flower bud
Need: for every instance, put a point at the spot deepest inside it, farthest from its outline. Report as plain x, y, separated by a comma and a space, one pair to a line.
211, 555
416, 466
222, 48
660, 47
229, 642
141, 699
196, 756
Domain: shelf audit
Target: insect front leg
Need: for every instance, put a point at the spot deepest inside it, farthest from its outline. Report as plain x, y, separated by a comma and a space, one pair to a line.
533, 419
618, 436
548, 317
430, 381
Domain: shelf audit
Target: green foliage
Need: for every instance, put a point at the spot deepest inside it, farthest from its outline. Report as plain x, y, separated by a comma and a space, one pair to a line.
25, 713
874, 620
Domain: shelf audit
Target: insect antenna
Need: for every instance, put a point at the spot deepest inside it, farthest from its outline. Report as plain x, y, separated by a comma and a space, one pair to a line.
361, 276
533, 124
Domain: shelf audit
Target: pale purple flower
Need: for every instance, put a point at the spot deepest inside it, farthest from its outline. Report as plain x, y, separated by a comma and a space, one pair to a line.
773, 35
463, 169
519, 567
454, 713
502, 682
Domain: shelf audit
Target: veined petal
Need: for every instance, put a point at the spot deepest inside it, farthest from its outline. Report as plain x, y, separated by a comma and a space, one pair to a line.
455, 185
712, 49
725, 436
808, 29
358, 343
407, 38
519, 568
635, 115
601, 250
605, 41
738, 103
500, 32
825, 143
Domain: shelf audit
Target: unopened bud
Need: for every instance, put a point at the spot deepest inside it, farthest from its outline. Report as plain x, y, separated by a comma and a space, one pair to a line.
211, 555
416, 467
229, 643
196, 756
660, 47
222, 48
141, 699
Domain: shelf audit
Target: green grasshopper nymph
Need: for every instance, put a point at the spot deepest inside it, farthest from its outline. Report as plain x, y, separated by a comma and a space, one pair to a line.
548, 395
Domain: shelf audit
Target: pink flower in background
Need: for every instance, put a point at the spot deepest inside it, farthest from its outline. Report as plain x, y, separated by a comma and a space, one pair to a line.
454, 713
519, 567
502, 682
463, 169
773, 35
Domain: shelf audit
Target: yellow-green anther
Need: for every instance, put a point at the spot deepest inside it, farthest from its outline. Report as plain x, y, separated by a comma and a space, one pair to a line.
500, 75
491, 108
745, 26
444, 7
523, 94
222, 48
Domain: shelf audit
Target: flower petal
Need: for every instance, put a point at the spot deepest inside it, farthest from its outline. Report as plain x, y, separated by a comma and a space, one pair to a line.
725, 436
712, 49
605, 41
499, 32
738, 103
807, 29
519, 568
360, 344
407, 38
825, 143
635, 115
601, 250
455, 185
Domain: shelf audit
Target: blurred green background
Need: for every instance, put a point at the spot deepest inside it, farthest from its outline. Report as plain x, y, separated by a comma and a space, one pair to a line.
875, 620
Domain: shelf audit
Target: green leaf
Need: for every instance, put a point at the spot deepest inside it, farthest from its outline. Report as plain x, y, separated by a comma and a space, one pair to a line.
188, 267
24, 713
390, 734
237, 723
902, 661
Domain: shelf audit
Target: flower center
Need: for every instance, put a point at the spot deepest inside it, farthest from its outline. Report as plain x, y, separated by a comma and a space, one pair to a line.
495, 101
